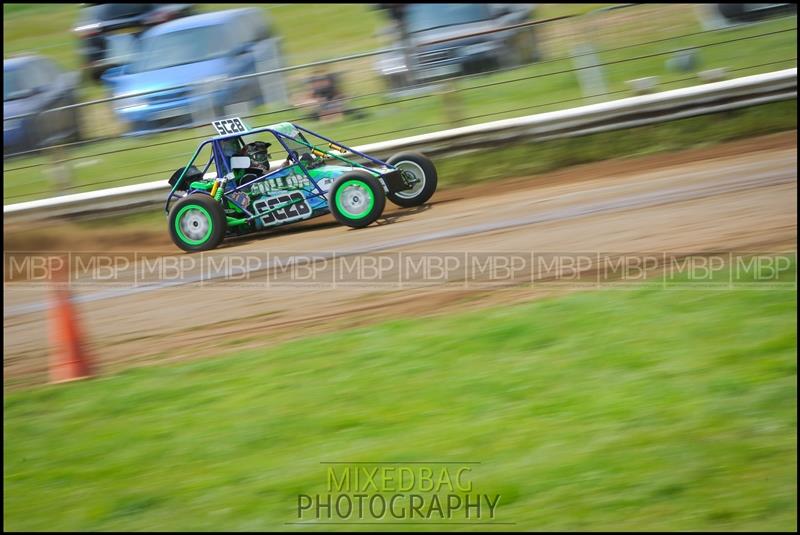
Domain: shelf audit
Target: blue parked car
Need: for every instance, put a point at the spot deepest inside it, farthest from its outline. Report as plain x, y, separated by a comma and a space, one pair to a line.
205, 50
106, 31
34, 84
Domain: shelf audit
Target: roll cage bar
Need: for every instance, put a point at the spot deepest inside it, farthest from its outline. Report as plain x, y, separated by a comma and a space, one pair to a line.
222, 163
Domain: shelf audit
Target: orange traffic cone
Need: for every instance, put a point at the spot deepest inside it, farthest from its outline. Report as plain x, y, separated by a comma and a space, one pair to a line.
69, 361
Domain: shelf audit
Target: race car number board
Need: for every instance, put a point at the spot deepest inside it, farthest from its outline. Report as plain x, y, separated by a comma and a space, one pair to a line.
225, 127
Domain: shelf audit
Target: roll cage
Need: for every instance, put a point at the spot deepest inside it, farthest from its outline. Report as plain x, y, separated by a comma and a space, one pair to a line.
287, 134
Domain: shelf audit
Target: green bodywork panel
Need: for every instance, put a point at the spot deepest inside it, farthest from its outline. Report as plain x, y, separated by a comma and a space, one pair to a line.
263, 195
203, 184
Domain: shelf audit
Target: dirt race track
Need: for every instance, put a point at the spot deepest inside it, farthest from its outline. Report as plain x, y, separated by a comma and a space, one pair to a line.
734, 197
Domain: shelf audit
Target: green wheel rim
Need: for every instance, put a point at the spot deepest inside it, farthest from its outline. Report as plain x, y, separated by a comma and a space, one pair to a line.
179, 230
354, 199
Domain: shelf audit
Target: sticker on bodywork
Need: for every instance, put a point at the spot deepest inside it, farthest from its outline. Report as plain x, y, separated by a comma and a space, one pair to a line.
293, 208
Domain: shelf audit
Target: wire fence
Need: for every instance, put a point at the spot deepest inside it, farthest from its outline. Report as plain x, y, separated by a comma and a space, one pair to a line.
278, 70
431, 94
376, 99
373, 135
382, 92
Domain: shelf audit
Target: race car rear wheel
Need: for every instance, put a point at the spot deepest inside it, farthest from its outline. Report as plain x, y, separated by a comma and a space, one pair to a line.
356, 199
423, 171
197, 223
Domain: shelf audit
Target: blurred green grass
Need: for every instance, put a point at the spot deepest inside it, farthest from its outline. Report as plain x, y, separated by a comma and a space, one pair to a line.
156, 156
657, 408
531, 158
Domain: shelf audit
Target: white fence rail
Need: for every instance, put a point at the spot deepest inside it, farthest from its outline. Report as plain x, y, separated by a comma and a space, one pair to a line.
622, 113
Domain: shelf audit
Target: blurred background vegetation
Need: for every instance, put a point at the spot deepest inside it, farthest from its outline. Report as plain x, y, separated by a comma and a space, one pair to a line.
651, 33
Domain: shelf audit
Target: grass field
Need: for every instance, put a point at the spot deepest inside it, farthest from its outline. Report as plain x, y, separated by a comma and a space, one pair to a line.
654, 409
154, 157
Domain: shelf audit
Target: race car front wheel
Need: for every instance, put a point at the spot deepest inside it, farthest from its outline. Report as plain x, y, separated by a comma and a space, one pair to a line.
421, 171
197, 223
356, 199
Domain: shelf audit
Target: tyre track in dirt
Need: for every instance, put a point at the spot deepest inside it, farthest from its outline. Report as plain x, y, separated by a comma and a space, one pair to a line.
734, 201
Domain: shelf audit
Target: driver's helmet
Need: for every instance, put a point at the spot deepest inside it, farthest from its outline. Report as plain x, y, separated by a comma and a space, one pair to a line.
258, 151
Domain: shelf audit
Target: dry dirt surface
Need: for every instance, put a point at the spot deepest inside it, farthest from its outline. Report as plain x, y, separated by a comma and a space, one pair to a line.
316, 277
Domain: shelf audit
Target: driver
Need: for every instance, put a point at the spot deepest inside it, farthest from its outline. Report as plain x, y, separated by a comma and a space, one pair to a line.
258, 152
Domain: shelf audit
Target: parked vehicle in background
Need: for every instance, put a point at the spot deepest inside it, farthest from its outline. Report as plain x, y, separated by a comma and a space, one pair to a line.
108, 31
716, 16
753, 12
192, 59
426, 25
34, 85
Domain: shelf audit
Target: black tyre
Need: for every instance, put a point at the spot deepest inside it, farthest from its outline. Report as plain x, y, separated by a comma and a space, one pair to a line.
356, 199
423, 170
197, 223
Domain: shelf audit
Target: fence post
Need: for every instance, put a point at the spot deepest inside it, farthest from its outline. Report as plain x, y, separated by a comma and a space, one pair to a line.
452, 104
202, 110
589, 70
272, 86
60, 169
